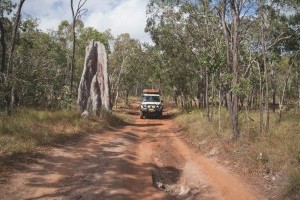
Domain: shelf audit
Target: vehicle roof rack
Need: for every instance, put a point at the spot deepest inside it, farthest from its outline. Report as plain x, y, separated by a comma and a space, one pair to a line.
151, 91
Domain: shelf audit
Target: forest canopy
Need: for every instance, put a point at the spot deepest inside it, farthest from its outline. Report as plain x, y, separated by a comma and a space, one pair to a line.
243, 55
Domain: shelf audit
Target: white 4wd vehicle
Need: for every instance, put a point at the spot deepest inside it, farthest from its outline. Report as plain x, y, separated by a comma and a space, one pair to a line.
151, 104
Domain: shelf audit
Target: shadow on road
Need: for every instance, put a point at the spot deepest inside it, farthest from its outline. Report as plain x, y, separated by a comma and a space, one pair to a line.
89, 170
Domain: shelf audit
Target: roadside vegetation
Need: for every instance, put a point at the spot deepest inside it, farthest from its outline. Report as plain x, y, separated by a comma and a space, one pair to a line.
239, 57
29, 132
273, 156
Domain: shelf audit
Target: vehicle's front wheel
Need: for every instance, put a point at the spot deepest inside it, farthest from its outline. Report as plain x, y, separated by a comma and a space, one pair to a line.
160, 114
141, 115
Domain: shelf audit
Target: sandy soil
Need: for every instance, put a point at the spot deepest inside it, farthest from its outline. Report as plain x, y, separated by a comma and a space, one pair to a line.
147, 159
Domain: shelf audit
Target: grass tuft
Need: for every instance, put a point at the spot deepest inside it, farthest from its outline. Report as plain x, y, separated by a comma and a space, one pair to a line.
294, 177
261, 152
26, 131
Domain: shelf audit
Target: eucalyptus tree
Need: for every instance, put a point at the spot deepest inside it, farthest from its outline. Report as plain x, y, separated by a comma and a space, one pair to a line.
16, 25
154, 70
124, 65
208, 48
63, 37
277, 34
40, 75
241, 19
166, 25
232, 36
233, 46
6, 7
189, 36
77, 11
9, 65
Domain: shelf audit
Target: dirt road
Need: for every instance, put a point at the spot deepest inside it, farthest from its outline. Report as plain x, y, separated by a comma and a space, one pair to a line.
143, 160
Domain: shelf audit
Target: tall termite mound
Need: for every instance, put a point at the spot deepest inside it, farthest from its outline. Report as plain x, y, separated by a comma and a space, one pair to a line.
94, 91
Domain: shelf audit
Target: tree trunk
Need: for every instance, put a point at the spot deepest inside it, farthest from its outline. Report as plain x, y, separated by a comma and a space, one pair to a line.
266, 99
274, 99
199, 93
76, 14
127, 98
3, 47
233, 115
14, 36
175, 95
235, 64
115, 87
116, 99
72, 59
260, 100
225, 31
212, 97
10, 68
283, 93
206, 95
298, 83
73, 48
274, 88
232, 52
299, 96
219, 113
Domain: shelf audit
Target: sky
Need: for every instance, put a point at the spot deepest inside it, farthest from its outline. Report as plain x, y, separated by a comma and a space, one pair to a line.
120, 16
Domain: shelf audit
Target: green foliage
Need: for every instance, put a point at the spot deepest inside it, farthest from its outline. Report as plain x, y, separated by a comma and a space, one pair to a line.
242, 88
125, 65
6, 7
188, 45
41, 64
41, 69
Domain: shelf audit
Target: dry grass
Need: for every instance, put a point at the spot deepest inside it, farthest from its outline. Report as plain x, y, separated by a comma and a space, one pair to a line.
265, 153
27, 131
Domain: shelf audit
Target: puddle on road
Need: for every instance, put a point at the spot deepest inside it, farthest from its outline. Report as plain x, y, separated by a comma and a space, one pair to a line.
173, 181
178, 177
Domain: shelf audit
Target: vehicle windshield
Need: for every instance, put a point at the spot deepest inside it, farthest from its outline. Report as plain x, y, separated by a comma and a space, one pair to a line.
151, 99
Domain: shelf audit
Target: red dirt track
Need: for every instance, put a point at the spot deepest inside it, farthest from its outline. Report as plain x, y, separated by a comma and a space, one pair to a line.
147, 159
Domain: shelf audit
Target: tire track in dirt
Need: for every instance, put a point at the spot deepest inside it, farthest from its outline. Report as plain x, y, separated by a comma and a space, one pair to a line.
125, 163
203, 178
184, 174
99, 166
